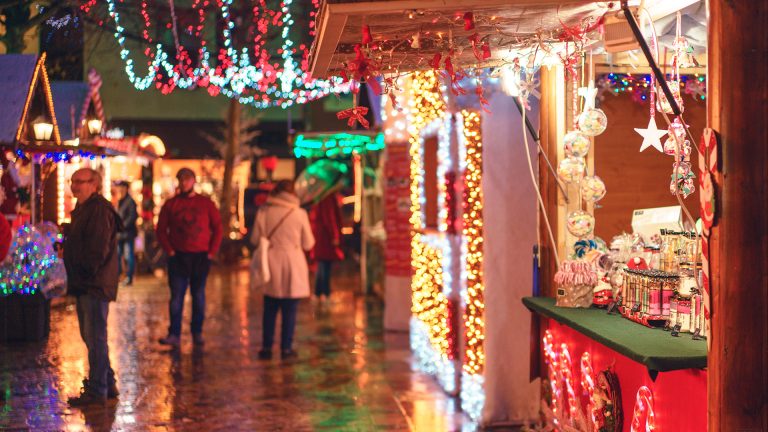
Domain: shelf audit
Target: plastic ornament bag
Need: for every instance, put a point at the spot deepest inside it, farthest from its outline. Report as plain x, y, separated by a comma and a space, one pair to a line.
571, 169
663, 103
580, 223
593, 121
682, 181
592, 189
576, 144
670, 148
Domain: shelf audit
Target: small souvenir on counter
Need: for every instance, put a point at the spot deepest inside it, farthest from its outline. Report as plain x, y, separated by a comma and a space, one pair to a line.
580, 223
571, 169
592, 189
602, 294
575, 281
637, 263
576, 144
593, 121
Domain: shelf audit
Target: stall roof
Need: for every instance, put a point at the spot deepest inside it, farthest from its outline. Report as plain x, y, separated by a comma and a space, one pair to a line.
16, 72
393, 25
69, 98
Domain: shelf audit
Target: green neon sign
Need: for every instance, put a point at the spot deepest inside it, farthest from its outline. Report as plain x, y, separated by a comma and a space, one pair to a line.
334, 145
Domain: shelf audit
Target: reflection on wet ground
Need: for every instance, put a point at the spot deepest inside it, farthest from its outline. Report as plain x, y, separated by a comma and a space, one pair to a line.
350, 374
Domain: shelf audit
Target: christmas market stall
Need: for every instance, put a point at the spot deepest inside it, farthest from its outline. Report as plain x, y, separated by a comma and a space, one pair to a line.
349, 161
513, 128
32, 266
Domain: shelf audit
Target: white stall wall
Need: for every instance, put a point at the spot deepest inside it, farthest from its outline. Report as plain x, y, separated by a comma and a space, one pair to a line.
510, 233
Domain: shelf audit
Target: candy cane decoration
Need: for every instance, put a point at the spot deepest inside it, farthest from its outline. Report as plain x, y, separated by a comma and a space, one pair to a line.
551, 359
643, 412
707, 170
567, 377
588, 385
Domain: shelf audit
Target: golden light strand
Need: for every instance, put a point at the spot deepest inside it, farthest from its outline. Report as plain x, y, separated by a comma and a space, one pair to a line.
429, 303
474, 314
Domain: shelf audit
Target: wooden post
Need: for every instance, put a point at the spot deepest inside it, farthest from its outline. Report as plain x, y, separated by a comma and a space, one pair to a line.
738, 112
233, 145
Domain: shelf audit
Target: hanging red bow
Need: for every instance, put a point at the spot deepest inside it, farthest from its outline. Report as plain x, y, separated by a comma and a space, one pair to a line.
367, 35
435, 63
353, 115
363, 69
481, 97
454, 76
469, 21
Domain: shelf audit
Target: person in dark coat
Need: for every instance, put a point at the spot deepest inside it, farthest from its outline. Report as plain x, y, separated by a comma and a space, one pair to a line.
90, 257
126, 239
326, 227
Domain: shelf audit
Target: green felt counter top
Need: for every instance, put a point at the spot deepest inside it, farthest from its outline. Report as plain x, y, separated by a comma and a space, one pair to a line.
654, 348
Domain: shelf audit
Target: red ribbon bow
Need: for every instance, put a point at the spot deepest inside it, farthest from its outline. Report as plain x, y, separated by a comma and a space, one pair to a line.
356, 114
469, 21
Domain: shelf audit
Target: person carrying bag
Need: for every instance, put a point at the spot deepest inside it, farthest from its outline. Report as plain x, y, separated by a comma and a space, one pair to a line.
281, 234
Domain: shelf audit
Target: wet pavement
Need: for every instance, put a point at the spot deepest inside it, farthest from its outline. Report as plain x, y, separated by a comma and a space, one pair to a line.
350, 374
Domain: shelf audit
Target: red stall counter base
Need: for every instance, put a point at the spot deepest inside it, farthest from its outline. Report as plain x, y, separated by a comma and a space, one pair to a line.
679, 393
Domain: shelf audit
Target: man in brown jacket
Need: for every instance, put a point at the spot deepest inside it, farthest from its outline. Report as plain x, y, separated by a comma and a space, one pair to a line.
90, 256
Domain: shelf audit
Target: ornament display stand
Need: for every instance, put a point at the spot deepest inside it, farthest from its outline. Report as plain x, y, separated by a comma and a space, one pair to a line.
24, 318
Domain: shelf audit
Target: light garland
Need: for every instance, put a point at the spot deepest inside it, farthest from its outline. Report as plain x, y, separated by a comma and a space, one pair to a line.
474, 319
643, 416
588, 385
639, 85
262, 84
61, 181
430, 255
472, 394
428, 359
32, 255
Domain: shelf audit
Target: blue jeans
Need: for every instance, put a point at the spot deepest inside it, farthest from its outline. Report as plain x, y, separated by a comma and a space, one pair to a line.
187, 269
323, 280
125, 250
287, 308
92, 317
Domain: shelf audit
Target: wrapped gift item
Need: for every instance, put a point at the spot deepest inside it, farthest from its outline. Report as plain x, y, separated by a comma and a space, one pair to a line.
575, 282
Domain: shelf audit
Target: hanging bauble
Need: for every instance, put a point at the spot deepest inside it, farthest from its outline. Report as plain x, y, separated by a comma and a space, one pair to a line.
682, 182
592, 189
571, 169
576, 144
593, 121
670, 147
580, 223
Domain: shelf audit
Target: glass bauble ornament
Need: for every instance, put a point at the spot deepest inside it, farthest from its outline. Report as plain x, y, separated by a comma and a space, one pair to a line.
580, 223
592, 189
593, 121
571, 169
576, 144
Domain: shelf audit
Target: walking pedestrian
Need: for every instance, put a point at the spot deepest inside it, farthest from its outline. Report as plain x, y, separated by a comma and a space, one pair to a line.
189, 230
126, 239
326, 226
286, 226
90, 257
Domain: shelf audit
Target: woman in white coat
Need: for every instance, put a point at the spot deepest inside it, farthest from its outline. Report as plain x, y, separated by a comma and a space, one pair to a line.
286, 226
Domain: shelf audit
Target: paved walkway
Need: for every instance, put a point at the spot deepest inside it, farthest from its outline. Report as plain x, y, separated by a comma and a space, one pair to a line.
350, 375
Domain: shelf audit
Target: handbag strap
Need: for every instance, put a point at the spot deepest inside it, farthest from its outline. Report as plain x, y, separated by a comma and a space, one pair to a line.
269, 236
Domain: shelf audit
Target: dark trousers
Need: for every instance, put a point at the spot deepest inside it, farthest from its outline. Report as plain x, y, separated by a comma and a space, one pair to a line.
323, 280
92, 316
187, 269
287, 308
125, 251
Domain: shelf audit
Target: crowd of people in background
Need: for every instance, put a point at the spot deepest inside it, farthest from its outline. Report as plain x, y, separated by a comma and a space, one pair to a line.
99, 246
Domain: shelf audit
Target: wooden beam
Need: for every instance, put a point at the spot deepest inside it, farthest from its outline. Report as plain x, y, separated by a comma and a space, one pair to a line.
737, 96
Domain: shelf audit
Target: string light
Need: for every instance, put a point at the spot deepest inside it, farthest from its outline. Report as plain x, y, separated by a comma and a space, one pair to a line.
262, 84
643, 417
430, 257
474, 320
46, 85
588, 385
32, 256
639, 85
428, 359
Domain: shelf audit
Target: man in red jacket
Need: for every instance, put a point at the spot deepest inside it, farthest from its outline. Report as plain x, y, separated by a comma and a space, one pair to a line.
189, 230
